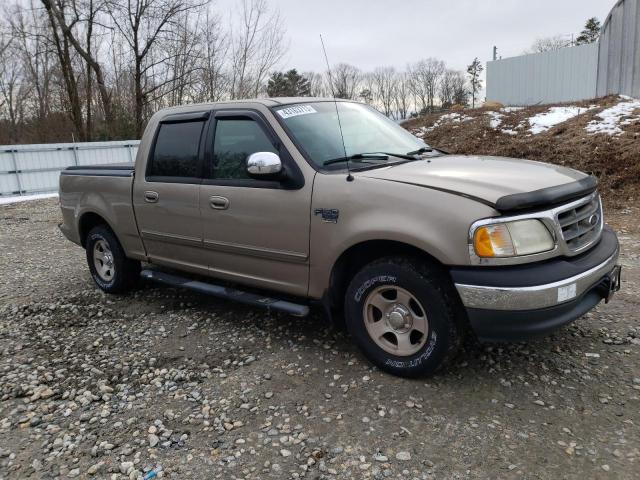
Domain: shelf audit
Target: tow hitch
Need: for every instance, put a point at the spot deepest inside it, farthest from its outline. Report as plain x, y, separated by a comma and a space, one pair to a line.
611, 283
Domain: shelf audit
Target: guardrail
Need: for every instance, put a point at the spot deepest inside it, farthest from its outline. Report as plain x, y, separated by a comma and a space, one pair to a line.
29, 169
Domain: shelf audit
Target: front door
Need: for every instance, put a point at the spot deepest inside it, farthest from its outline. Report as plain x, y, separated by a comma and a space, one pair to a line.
166, 200
256, 232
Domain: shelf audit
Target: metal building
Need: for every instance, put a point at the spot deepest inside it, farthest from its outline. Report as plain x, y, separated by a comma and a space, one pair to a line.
610, 66
619, 62
563, 75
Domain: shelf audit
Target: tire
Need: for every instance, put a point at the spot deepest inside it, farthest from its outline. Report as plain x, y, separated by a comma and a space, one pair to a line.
114, 272
384, 300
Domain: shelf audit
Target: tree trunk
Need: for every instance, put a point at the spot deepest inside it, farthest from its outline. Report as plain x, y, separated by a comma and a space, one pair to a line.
139, 98
71, 86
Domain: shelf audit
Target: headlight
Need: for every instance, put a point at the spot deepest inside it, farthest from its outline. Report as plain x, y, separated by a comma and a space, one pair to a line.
510, 239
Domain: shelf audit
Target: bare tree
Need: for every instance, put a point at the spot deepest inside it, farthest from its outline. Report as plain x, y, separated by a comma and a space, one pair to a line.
425, 76
547, 44
317, 84
453, 89
63, 50
384, 79
13, 89
143, 24
446, 88
368, 91
418, 85
401, 95
460, 90
215, 82
345, 81
257, 47
30, 31
67, 20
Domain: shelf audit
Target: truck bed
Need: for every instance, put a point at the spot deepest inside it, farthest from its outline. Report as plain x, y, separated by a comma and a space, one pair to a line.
91, 191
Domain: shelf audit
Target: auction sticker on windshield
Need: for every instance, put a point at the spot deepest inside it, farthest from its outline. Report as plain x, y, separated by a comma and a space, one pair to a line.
296, 110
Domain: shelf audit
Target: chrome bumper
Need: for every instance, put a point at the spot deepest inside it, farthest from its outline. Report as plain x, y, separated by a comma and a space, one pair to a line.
534, 297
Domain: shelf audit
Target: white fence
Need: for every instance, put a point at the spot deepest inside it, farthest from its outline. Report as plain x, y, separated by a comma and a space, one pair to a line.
28, 169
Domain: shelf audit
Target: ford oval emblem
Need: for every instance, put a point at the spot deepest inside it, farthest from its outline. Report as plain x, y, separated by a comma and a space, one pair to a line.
593, 220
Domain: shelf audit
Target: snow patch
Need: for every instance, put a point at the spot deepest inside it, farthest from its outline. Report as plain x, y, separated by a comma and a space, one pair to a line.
509, 131
511, 109
26, 198
446, 118
496, 119
613, 118
554, 116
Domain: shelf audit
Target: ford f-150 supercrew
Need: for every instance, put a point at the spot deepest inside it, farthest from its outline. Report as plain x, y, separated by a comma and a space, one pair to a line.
285, 203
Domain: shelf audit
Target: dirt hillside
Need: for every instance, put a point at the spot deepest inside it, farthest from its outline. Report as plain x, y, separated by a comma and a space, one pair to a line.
599, 136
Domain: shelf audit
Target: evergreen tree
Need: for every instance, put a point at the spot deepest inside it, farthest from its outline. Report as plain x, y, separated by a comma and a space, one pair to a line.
590, 33
475, 70
288, 84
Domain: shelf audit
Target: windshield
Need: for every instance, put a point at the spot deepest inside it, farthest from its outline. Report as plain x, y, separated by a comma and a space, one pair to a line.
315, 128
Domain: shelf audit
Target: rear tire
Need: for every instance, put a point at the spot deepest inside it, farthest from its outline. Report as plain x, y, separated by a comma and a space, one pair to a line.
110, 268
404, 315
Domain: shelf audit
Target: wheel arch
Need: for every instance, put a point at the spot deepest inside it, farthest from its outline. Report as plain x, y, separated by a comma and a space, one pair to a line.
87, 221
354, 258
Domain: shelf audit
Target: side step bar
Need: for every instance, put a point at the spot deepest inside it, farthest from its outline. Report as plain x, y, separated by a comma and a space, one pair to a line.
269, 303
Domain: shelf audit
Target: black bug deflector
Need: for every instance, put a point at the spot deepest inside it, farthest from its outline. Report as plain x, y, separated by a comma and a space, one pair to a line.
547, 196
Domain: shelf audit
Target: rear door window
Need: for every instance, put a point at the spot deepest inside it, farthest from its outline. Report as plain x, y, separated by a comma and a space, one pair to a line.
176, 151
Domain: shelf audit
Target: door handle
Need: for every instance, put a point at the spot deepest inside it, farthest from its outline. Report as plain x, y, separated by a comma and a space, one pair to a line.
219, 203
150, 197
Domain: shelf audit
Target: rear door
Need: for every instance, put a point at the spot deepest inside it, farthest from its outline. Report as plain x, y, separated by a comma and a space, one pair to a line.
256, 232
166, 200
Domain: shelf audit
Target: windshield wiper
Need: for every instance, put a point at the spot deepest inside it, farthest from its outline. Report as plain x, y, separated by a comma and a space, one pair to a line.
357, 157
420, 150
371, 155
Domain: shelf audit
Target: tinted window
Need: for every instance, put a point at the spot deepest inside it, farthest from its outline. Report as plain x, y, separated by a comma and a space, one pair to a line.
235, 140
176, 150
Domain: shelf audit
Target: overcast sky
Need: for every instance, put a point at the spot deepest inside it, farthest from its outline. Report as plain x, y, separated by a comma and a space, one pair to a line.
370, 33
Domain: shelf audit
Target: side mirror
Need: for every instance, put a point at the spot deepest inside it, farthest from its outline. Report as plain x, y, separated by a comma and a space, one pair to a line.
263, 164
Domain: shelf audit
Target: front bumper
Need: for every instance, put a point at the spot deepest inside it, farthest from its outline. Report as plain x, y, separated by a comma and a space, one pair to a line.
518, 302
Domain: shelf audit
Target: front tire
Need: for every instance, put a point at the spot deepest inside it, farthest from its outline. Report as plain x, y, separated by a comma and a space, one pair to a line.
110, 268
404, 315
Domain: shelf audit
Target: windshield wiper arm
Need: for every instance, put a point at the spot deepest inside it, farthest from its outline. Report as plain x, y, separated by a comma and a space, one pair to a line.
357, 157
420, 150
406, 156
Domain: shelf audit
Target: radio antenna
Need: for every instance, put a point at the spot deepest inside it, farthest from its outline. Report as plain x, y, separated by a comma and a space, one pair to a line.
335, 102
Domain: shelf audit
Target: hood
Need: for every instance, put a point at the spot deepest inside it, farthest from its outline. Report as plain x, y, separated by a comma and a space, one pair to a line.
491, 180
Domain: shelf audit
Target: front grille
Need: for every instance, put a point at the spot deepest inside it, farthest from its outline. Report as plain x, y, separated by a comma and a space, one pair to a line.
581, 224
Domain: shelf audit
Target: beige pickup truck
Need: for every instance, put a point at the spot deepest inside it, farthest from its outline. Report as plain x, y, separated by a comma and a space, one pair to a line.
290, 203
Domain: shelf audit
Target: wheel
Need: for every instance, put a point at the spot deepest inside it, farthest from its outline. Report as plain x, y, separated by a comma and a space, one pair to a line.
112, 271
404, 315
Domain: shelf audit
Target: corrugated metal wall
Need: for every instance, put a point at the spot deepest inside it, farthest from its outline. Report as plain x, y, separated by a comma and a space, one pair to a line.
562, 75
619, 66
609, 67
26, 169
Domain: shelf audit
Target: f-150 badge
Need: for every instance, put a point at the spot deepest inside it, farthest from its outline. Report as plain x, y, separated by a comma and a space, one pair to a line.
329, 215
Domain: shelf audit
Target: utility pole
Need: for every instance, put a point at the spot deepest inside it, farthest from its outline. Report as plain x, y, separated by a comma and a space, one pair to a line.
495, 53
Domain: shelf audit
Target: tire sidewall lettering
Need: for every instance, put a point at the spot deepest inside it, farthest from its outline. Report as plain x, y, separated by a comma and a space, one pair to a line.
380, 279
416, 362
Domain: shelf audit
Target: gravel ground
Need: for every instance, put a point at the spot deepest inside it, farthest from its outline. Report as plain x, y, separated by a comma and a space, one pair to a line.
113, 386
